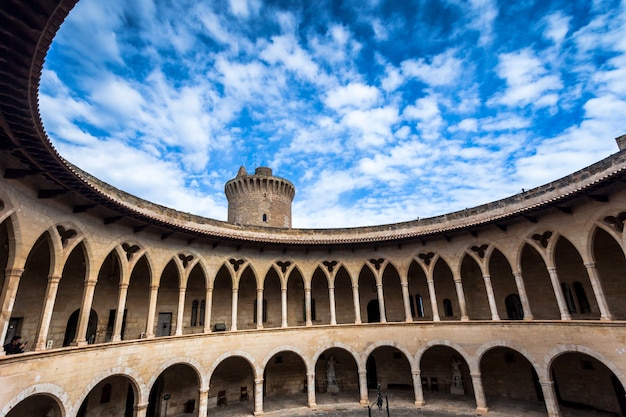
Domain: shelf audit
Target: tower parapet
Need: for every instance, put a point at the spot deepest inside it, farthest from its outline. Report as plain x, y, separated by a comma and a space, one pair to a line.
260, 199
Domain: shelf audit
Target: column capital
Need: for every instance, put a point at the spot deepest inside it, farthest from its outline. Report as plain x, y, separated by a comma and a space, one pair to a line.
258, 381
590, 265
551, 269
154, 287
457, 280
546, 383
486, 277
416, 372
475, 374
54, 279
123, 286
404, 284
13, 272
259, 290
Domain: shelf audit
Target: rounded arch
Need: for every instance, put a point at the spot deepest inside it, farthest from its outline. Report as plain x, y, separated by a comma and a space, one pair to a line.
233, 354
140, 388
179, 360
288, 348
386, 343
483, 349
559, 350
441, 342
339, 345
53, 391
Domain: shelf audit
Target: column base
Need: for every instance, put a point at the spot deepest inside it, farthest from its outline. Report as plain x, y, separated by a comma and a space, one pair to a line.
364, 403
464, 318
482, 410
81, 343
606, 318
257, 413
420, 404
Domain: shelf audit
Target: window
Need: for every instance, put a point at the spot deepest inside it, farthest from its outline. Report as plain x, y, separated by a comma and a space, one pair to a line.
447, 308
569, 299
201, 315
419, 303
194, 313
581, 297
264, 217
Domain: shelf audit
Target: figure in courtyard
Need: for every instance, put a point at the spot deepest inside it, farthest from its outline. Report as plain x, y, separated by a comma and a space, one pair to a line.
15, 346
457, 382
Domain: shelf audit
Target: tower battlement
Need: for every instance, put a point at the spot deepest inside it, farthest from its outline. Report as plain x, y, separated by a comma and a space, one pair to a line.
260, 199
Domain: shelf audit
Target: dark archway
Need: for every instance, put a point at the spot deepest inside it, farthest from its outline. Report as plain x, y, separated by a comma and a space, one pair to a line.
36, 405
72, 325
174, 392
227, 381
373, 312
346, 388
284, 377
113, 396
437, 371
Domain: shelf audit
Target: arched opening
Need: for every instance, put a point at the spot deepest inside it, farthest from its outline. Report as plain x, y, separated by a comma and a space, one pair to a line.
72, 326
167, 301
611, 264
419, 293
36, 405
392, 292
368, 295
106, 296
508, 377
285, 382
538, 286
272, 293
246, 303
575, 282
344, 301
390, 369
221, 316
295, 299
69, 298
174, 392
475, 291
582, 382
336, 377
445, 289
138, 300
113, 396
502, 282
320, 303
445, 376
193, 319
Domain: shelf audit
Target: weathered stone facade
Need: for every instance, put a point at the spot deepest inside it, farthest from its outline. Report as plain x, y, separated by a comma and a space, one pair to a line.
125, 302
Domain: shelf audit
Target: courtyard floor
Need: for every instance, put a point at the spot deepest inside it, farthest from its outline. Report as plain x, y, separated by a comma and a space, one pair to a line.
400, 405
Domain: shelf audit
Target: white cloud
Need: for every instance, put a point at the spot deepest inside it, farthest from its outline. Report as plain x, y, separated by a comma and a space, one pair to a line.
355, 95
443, 69
557, 27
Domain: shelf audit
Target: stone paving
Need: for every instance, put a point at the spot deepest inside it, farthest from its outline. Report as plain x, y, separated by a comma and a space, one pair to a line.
400, 405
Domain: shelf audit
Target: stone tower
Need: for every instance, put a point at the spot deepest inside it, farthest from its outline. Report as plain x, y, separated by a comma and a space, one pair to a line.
260, 199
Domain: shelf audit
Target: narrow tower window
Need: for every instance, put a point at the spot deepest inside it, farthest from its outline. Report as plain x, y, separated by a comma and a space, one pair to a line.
264, 217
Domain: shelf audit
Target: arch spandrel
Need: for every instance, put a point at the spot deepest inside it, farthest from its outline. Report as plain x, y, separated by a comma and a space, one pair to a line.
257, 369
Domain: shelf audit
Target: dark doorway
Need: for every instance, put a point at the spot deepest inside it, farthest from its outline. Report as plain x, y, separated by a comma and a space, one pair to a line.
371, 374
111, 323
514, 309
164, 325
373, 312
130, 402
72, 324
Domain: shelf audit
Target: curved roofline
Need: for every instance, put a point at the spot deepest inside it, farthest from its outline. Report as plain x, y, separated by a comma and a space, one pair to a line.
24, 41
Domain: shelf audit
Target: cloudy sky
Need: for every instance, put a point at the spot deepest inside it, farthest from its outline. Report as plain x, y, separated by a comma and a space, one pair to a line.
378, 111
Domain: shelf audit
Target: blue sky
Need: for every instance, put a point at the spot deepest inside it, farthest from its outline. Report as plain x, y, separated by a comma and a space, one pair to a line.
378, 111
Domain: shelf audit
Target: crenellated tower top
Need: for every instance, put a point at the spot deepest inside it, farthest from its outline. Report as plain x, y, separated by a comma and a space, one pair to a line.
260, 199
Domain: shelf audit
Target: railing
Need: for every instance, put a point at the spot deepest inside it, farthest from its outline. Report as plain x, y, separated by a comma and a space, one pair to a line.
379, 402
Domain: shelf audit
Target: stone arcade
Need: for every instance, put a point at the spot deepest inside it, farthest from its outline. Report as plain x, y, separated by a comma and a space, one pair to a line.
131, 308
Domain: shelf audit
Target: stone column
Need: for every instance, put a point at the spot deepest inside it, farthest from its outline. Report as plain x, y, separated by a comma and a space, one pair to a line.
598, 291
357, 307
259, 308
364, 401
154, 293
307, 306
233, 324
310, 389
408, 317
80, 338
119, 313
381, 303
552, 406
479, 394
331, 301
560, 299
461, 296
46, 312
521, 291
140, 410
208, 306
7, 298
433, 299
417, 389
258, 396
283, 307
492, 298
181, 311
203, 402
